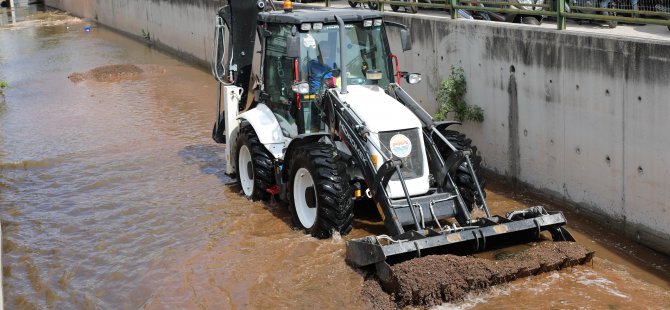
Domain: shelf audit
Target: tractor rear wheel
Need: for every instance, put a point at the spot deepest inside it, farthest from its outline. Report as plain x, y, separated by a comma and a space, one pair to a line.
254, 164
319, 191
463, 178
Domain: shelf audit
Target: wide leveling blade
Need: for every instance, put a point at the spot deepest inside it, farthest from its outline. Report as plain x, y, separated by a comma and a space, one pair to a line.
477, 237
434, 279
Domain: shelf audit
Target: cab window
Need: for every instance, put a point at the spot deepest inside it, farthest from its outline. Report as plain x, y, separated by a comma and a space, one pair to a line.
279, 76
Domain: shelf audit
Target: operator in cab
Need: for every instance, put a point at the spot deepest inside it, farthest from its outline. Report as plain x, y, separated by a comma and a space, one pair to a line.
322, 60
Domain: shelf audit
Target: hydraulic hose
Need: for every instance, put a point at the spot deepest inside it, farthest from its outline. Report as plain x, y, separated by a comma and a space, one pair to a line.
219, 34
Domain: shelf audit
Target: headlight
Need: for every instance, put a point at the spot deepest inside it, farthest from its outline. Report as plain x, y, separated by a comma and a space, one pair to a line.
413, 78
367, 23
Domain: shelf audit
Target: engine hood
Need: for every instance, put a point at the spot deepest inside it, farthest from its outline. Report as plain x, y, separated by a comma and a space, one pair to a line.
379, 111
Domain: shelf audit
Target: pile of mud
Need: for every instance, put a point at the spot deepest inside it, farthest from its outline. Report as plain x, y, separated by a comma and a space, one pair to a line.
432, 280
374, 296
116, 73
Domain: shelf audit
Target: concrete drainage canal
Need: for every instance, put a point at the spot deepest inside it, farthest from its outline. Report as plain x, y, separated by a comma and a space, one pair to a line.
112, 195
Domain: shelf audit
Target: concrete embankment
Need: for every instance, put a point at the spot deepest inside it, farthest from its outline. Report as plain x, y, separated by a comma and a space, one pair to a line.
578, 116
184, 27
581, 117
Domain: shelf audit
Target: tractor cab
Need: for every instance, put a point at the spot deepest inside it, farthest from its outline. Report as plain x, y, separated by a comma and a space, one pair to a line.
302, 58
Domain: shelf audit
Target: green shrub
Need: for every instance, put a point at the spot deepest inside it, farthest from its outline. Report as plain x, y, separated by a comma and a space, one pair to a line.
146, 35
451, 98
3, 84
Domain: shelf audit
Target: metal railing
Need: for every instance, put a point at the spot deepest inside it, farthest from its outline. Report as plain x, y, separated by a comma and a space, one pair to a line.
610, 12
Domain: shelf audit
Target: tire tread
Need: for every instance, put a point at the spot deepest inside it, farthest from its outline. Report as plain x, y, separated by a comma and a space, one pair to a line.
334, 193
463, 178
262, 161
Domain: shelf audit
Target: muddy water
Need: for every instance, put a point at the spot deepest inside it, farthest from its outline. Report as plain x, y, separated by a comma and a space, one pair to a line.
112, 195
623, 275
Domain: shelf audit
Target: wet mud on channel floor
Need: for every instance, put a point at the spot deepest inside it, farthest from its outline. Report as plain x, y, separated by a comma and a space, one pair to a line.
116, 73
435, 279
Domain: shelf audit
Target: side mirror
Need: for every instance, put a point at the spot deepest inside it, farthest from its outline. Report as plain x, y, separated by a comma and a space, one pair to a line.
293, 47
405, 40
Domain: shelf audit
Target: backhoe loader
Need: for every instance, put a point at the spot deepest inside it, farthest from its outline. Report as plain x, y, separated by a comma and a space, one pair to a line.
311, 109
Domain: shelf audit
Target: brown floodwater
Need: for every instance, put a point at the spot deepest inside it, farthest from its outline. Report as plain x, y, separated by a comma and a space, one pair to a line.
113, 195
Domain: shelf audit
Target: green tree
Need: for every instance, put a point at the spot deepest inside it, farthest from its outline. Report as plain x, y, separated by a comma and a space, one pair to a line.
451, 98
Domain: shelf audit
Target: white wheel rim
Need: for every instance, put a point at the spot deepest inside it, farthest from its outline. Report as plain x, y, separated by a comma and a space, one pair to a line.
301, 184
246, 168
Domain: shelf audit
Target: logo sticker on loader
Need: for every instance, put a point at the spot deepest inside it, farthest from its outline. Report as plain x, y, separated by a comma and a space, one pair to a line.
401, 146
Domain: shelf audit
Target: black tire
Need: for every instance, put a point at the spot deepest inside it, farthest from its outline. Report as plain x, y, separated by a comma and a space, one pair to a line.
259, 169
218, 135
530, 20
331, 194
610, 23
373, 5
413, 9
463, 178
353, 4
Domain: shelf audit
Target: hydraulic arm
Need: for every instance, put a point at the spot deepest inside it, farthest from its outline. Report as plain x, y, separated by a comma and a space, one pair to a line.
232, 64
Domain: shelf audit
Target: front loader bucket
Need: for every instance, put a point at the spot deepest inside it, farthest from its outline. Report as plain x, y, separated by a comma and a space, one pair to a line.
375, 249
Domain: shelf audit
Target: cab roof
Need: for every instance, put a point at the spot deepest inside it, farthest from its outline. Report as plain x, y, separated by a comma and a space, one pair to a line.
317, 15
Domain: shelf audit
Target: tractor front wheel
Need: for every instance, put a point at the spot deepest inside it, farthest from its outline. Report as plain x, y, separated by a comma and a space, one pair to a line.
254, 164
319, 191
463, 178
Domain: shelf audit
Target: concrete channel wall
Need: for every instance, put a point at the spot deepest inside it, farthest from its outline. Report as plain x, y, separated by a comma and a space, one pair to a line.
184, 27
583, 118
580, 117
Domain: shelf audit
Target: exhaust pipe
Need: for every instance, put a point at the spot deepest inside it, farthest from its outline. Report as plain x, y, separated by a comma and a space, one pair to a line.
343, 67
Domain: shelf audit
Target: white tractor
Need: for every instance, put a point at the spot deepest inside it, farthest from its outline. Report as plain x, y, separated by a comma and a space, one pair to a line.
324, 122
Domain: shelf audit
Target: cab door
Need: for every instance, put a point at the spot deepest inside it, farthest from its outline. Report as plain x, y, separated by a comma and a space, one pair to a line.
278, 78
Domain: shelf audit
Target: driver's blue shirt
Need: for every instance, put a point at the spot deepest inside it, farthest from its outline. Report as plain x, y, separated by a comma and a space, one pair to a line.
316, 71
